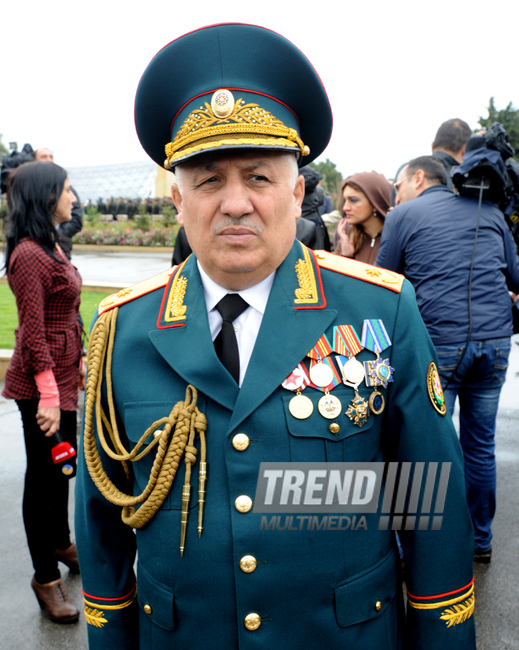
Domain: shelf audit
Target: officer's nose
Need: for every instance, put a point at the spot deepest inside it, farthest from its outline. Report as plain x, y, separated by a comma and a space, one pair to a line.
236, 199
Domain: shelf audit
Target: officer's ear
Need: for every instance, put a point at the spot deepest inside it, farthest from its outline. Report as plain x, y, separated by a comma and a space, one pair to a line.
177, 201
299, 195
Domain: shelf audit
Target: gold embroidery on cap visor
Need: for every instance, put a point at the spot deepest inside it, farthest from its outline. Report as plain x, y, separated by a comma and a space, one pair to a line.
434, 388
247, 124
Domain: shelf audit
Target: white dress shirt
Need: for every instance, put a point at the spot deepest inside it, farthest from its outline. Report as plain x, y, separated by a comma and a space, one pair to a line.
247, 325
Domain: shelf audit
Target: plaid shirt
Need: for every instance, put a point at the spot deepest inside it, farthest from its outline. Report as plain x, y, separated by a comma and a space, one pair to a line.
48, 335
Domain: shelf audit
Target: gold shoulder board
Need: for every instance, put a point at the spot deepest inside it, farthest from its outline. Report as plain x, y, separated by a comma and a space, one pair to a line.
136, 291
359, 270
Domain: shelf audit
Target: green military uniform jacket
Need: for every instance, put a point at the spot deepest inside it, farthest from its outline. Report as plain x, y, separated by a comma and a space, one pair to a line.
310, 588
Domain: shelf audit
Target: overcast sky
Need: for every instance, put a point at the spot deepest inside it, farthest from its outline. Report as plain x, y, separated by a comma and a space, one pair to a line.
393, 70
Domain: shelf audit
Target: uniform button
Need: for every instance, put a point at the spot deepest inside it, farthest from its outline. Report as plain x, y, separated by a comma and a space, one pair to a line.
378, 605
240, 441
334, 427
252, 621
147, 608
243, 503
248, 564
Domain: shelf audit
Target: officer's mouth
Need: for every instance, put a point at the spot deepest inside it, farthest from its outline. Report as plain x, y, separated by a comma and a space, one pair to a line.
237, 236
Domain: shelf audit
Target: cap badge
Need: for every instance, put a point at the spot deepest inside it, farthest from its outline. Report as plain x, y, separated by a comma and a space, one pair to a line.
222, 103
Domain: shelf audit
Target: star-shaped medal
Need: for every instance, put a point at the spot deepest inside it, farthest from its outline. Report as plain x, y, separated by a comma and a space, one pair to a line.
381, 373
358, 411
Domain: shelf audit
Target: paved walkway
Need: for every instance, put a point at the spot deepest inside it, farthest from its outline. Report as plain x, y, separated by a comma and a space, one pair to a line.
23, 627
120, 268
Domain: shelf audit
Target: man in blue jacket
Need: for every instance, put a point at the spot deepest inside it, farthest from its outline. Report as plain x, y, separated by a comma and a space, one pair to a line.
462, 288
256, 350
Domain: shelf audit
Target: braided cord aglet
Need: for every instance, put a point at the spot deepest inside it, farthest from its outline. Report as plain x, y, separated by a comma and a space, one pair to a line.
186, 493
202, 478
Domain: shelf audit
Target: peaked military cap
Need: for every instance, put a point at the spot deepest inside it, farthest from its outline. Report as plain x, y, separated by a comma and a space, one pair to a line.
231, 86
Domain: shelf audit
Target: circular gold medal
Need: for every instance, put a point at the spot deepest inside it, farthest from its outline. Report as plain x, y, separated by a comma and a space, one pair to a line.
321, 374
329, 406
301, 407
353, 371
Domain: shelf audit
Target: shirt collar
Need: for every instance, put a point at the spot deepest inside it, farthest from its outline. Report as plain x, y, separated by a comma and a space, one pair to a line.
256, 296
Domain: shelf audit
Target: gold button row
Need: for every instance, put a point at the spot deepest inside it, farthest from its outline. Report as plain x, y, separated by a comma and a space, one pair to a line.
243, 503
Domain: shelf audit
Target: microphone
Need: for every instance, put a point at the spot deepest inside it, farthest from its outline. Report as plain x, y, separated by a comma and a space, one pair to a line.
63, 455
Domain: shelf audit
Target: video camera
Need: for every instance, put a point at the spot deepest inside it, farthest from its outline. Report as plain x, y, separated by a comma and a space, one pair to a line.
14, 159
488, 167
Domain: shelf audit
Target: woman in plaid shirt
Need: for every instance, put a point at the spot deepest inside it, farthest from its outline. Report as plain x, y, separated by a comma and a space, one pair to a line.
46, 370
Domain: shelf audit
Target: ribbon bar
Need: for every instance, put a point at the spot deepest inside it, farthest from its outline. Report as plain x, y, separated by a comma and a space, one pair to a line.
375, 336
321, 349
346, 341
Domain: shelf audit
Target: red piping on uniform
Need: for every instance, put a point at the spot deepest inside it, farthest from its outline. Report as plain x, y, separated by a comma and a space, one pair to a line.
320, 284
165, 327
99, 597
448, 593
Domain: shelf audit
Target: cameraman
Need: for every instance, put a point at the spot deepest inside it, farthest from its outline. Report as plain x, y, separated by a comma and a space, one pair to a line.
462, 261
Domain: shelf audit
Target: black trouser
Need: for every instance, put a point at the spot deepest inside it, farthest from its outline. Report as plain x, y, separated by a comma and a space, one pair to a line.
45, 497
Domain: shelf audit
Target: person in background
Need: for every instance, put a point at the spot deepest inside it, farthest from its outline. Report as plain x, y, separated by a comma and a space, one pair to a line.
65, 230
310, 209
366, 204
462, 267
46, 370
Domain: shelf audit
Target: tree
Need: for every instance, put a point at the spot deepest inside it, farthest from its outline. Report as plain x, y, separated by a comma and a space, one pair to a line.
509, 118
332, 177
3, 150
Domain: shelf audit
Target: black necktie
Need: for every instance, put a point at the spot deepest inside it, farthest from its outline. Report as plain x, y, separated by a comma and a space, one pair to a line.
225, 344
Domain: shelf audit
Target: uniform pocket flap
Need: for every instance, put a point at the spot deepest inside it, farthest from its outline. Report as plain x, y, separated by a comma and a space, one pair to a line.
366, 596
155, 599
139, 416
317, 426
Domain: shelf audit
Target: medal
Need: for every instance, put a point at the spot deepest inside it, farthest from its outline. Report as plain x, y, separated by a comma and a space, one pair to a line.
376, 339
300, 406
376, 402
352, 371
375, 336
378, 372
346, 343
329, 406
296, 379
358, 411
320, 373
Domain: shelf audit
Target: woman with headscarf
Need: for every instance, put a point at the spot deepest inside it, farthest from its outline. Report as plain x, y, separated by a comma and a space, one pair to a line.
367, 198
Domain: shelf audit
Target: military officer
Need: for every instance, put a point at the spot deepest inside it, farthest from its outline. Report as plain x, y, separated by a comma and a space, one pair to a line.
255, 350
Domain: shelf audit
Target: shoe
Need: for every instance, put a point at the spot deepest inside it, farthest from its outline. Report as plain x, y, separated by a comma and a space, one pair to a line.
69, 557
483, 557
53, 598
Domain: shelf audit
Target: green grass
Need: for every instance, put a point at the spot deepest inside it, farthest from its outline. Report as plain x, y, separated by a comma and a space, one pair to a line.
9, 318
